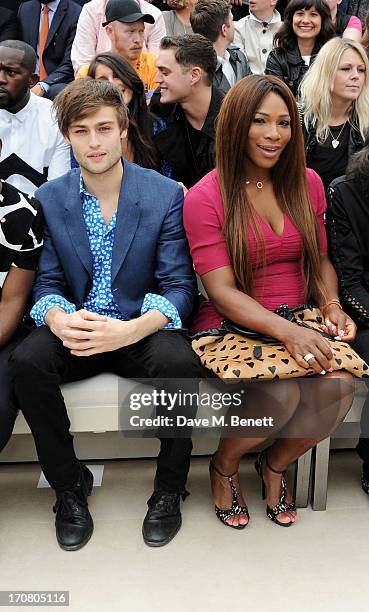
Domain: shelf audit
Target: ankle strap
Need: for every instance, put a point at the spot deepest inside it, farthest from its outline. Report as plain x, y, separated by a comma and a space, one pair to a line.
219, 472
270, 467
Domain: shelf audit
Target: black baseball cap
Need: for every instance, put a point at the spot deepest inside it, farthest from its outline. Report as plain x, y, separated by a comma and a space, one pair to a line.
127, 11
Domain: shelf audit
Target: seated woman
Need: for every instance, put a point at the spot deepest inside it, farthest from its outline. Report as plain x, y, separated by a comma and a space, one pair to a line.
306, 28
335, 107
256, 231
177, 20
138, 147
347, 26
348, 231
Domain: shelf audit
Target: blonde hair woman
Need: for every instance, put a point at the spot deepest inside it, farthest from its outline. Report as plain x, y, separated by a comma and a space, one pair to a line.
335, 107
177, 21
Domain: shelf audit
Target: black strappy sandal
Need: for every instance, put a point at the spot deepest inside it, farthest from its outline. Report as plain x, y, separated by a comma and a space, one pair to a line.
282, 505
235, 509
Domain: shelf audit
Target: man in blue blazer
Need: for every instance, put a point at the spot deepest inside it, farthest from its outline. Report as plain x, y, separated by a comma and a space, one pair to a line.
62, 17
115, 283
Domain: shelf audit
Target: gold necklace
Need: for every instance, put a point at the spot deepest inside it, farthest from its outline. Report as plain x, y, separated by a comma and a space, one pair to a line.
259, 184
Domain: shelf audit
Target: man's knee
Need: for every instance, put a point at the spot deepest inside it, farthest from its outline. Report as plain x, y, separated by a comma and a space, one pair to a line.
33, 354
174, 357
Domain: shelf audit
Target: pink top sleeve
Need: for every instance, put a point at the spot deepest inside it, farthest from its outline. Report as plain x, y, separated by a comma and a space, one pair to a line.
355, 24
203, 218
319, 204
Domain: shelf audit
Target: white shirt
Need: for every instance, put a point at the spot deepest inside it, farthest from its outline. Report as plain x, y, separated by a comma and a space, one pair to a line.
32, 137
255, 39
227, 68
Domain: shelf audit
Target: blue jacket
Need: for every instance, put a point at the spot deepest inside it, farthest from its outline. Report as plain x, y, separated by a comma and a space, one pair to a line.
59, 42
150, 252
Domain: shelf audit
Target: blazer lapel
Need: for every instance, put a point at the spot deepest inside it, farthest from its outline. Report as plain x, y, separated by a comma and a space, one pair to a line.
76, 224
57, 19
34, 25
128, 215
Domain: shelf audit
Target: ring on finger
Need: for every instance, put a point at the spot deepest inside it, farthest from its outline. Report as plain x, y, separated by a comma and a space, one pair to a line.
308, 357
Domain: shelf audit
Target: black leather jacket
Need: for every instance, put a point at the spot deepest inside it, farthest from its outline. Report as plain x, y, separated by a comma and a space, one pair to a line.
348, 232
240, 67
355, 144
172, 140
288, 66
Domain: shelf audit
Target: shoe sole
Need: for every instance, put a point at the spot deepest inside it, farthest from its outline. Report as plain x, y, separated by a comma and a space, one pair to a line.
154, 544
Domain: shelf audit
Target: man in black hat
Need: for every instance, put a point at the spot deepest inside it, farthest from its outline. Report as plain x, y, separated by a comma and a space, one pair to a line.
91, 36
125, 26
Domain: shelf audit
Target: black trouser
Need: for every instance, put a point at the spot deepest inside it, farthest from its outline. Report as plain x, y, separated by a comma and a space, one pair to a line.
8, 408
41, 363
361, 346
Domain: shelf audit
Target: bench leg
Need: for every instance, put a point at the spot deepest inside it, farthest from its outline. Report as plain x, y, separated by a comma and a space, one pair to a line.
321, 475
302, 479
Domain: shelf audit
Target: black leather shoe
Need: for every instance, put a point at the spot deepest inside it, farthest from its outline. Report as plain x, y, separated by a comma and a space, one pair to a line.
163, 519
73, 522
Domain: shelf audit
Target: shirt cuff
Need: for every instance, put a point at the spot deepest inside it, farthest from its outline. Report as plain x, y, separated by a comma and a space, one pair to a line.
152, 301
44, 304
44, 86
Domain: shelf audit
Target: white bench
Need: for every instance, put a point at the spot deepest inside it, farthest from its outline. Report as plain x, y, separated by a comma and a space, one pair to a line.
94, 407
349, 428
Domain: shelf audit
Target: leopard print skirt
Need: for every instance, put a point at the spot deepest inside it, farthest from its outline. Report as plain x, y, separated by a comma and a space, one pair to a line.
233, 357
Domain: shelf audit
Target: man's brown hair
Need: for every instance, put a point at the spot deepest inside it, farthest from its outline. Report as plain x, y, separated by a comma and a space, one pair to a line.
193, 50
84, 97
208, 16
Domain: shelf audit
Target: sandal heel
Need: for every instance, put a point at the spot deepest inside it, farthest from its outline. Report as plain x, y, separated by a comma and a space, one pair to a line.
282, 505
235, 509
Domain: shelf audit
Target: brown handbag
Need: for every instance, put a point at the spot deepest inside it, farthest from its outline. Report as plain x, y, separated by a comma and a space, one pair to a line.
235, 353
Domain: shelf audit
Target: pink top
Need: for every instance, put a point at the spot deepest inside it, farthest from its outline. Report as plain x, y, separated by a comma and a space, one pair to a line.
282, 281
355, 24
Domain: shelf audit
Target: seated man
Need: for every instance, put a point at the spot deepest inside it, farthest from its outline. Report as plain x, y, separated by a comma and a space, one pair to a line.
99, 308
21, 232
33, 149
9, 26
92, 38
49, 26
254, 33
214, 20
186, 138
125, 26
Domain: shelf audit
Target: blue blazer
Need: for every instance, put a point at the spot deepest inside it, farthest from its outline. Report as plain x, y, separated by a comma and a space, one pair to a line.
150, 252
59, 42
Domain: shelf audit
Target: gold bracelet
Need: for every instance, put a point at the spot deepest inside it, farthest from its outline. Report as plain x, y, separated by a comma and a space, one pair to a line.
330, 303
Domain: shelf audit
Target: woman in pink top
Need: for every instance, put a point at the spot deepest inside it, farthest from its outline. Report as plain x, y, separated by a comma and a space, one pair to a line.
255, 226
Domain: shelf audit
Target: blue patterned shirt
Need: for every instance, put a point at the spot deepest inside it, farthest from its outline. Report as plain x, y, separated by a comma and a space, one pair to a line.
100, 298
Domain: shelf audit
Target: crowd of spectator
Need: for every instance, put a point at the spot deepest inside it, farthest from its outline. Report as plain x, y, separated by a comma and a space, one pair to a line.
142, 143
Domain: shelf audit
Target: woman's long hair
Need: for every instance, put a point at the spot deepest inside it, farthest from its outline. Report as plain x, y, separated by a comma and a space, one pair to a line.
316, 89
286, 37
288, 175
139, 128
365, 38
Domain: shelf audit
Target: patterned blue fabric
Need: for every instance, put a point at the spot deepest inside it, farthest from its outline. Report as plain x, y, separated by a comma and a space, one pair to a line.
158, 125
100, 298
